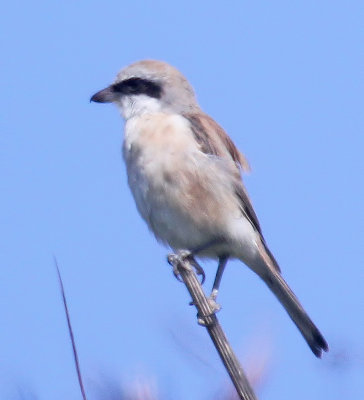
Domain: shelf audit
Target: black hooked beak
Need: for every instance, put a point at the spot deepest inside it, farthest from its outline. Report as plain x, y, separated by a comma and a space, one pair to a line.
107, 95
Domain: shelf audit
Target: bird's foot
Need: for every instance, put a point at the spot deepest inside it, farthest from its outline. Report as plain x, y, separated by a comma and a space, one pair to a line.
214, 308
212, 301
177, 261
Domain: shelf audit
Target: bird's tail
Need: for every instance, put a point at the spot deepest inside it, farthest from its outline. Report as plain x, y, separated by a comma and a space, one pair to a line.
272, 277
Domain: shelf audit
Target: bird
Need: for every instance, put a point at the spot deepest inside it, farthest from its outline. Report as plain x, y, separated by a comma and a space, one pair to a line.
185, 174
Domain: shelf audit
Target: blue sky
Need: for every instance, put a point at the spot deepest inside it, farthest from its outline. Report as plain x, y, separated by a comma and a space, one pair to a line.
283, 79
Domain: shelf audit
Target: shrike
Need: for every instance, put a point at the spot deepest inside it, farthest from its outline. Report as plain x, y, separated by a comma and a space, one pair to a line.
185, 175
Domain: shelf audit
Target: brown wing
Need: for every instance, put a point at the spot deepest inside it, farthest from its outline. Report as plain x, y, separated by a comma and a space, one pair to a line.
252, 217
218, 143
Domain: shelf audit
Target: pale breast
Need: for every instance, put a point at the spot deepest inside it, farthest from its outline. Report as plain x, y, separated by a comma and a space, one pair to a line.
153, 145
173, 182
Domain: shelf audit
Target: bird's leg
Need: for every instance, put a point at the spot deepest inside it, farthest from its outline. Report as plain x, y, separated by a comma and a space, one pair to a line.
215, 288
177, 260
181, 255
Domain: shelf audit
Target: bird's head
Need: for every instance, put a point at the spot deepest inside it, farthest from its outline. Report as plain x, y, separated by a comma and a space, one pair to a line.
149, 86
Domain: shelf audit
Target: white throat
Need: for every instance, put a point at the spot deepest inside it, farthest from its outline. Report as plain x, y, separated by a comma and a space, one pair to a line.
131, 106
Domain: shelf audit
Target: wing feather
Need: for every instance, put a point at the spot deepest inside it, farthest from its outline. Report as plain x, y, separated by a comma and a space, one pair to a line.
213, 140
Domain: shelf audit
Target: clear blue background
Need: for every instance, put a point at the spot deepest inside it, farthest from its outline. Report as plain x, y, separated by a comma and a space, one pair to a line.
283, 79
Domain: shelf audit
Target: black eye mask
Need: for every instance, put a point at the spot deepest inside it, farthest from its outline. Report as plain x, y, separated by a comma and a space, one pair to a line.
138, 86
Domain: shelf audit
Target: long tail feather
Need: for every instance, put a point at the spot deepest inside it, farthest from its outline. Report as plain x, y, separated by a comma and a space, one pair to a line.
308, 329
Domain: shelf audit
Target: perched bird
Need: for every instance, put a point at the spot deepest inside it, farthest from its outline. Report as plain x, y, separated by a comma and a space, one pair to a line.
185, 175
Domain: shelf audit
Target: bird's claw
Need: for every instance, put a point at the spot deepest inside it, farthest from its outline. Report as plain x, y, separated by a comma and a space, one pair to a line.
176, 260
199, 270
201, 319
214, 305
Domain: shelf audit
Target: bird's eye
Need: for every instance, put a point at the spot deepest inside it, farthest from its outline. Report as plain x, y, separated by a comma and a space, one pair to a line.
135, 86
